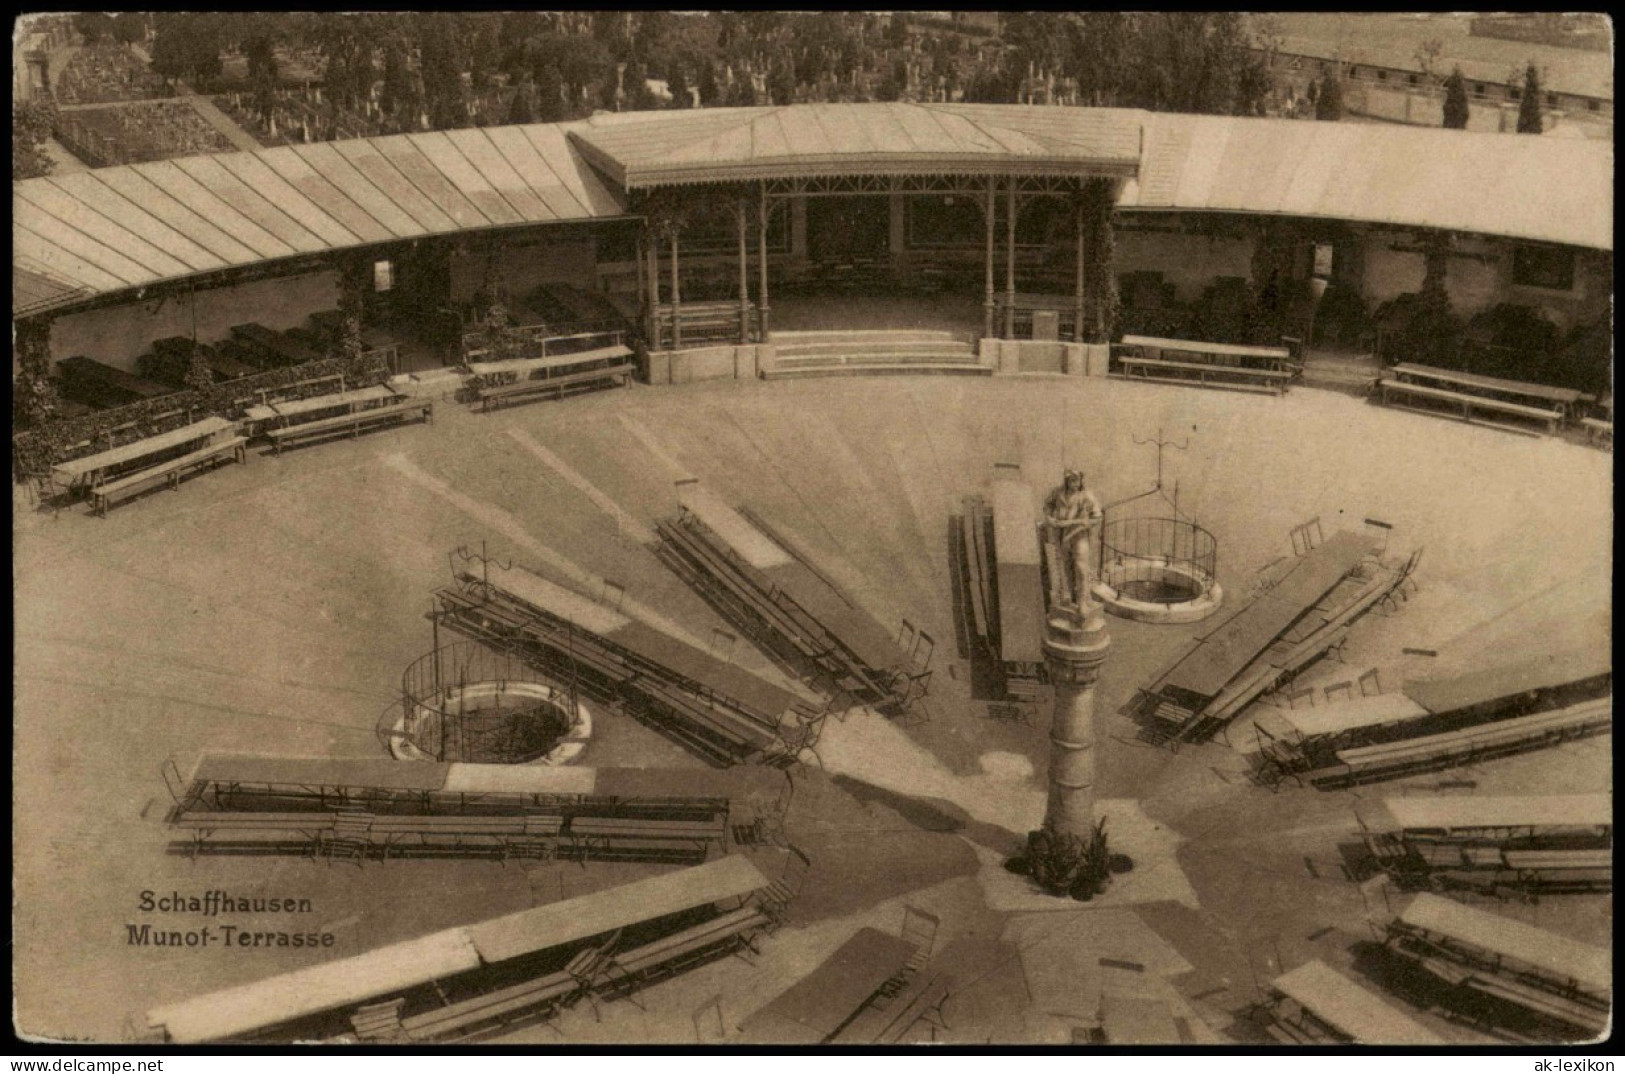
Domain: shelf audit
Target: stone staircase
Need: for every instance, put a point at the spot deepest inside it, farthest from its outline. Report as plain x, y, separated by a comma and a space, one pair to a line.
873, 352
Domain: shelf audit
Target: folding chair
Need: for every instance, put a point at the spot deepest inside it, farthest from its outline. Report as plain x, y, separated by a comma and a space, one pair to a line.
1307, 695
1338, 691
1306, 537
919, 929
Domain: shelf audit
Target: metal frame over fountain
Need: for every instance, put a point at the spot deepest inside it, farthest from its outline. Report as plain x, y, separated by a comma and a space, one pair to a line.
1153, 567
463, 702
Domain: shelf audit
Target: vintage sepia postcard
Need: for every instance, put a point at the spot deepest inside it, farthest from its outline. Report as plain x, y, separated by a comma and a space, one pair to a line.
836, 528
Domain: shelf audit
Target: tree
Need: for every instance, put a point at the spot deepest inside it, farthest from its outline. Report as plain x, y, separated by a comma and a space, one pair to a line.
399, 96
93, 26
1455, 101
550, 96
1329, 104
781, 84
1529, 107
587, 63
484, 56
1427, 54
186, 46
678, 85
443, 79
708, 85
199, 378
897, 31
635, 93
36, 401
1432, 335
31, 124
522, 109
262, 73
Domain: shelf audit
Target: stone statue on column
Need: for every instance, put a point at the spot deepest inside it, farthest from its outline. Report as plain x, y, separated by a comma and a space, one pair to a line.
1072, 516
1069, 855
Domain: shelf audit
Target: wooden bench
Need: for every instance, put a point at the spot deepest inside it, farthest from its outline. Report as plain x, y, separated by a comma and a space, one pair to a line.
1598, 431
1454, 747
484, 831
1551, 416
625, 968
1539, 1001
1273, 381
351, 423
610, 376
550, 990
608, 830
102, 496
378, 1021
204, 826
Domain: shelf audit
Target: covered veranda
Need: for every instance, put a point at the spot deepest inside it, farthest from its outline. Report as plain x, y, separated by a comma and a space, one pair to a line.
984, 220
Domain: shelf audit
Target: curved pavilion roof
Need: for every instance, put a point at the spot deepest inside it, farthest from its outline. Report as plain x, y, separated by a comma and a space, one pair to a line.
639, 151
93, 233
1516, 186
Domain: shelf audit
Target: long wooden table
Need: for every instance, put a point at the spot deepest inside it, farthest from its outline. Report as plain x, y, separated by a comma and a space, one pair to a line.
1179, 360
1537, 402
818, 1006
171, 471
1535, 393
90, 469
524, 366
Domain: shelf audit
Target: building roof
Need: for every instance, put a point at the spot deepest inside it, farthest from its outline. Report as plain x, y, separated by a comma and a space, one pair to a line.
35, 290
1392, 41
1514, 186
110, 229
639, 151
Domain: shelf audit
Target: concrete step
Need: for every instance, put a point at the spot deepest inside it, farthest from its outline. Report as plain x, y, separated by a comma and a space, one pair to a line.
887, 345
900, 335
883, 369
870, 358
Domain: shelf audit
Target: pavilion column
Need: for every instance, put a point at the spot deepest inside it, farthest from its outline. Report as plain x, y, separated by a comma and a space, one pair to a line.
676, 296
797, 208
897, 233
987, 299
1077, 297
1010, 265
761, 257
742, 211
652, 251
643, 281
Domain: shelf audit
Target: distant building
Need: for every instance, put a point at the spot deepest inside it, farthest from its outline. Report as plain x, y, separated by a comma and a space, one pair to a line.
1386, 82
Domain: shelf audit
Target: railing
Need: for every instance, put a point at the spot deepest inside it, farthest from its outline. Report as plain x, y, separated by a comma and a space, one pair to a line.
545, 340
705, 322
1158, 560
447, 716
37, 450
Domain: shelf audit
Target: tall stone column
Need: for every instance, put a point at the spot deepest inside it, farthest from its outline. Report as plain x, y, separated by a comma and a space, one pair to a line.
1075, 646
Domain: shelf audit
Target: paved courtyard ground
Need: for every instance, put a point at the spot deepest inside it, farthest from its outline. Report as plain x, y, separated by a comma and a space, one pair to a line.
271, 608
